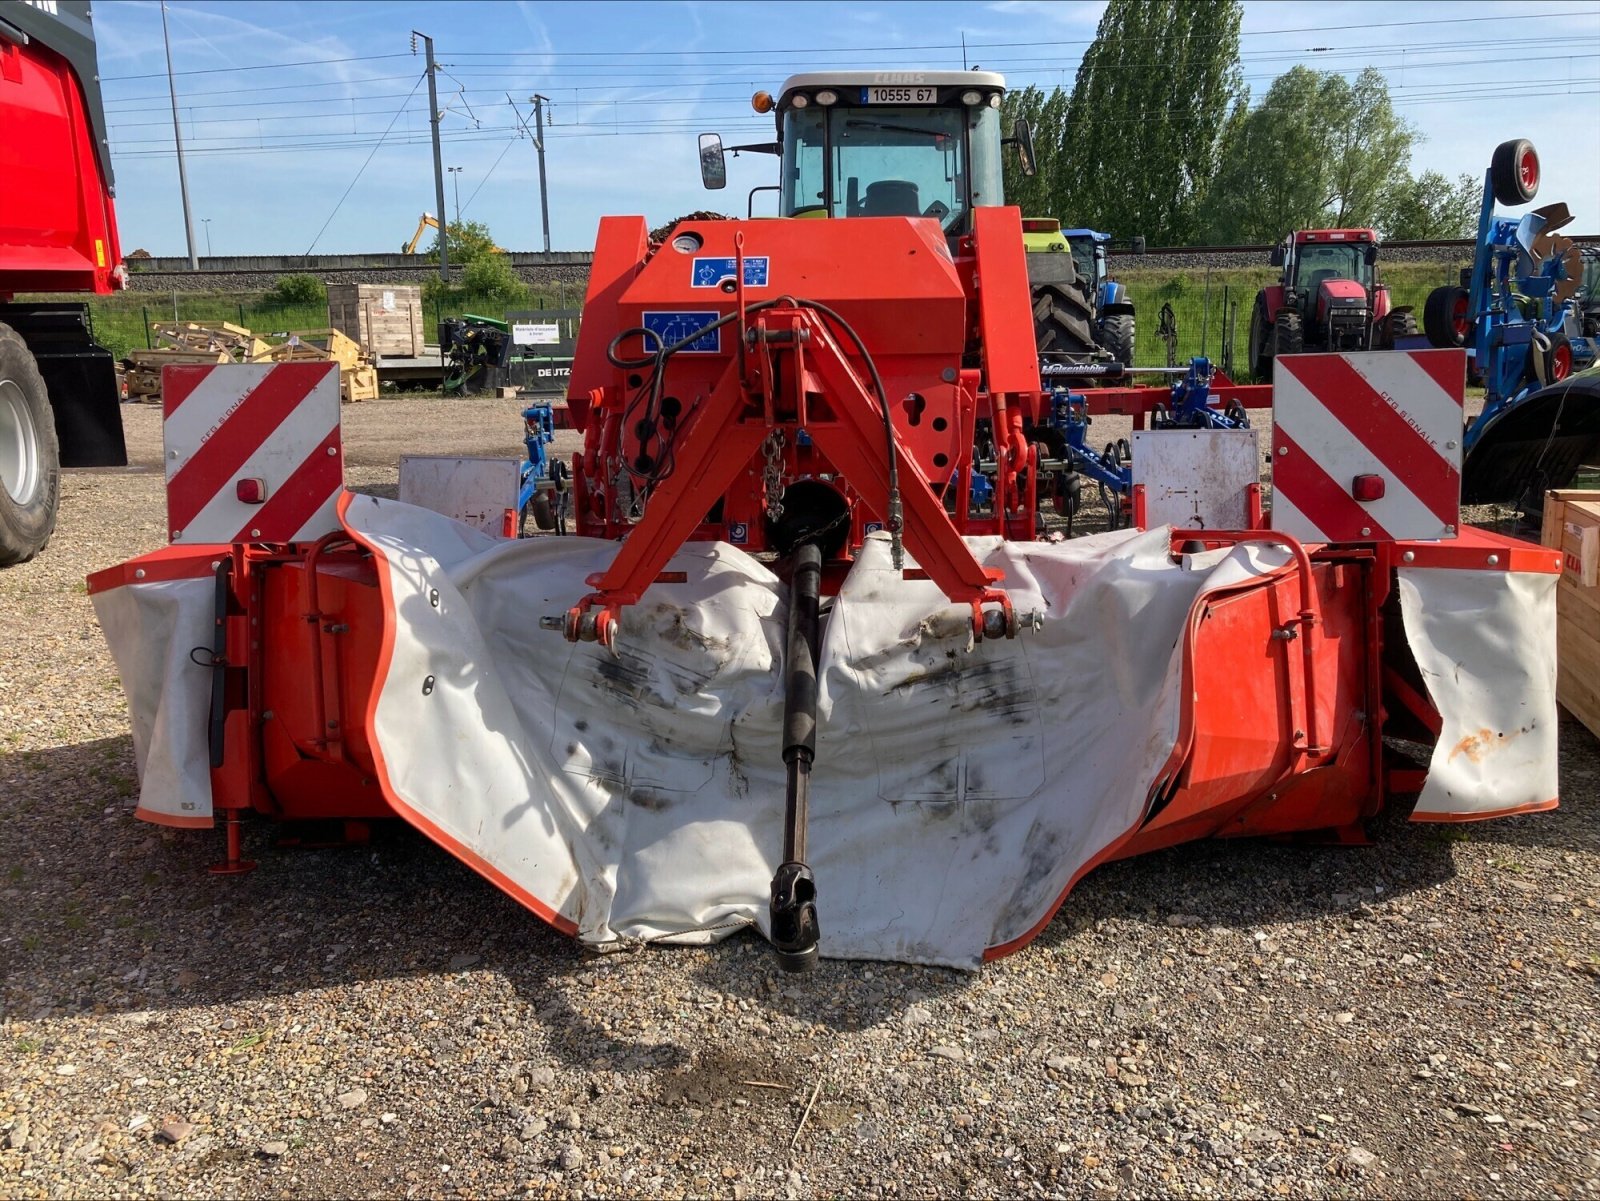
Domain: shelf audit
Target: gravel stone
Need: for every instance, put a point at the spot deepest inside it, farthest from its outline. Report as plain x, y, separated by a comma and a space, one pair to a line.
328, 970
354, 1099
275, 1148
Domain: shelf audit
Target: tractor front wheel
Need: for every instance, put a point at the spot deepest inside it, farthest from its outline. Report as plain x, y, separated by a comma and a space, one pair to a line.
1260, 342
30, 474
1288, 337
1116, 335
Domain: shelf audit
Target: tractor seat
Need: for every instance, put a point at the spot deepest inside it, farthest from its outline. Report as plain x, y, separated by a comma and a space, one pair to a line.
891, 198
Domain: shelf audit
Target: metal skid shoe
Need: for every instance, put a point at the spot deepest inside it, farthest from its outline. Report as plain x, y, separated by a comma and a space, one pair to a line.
795, 931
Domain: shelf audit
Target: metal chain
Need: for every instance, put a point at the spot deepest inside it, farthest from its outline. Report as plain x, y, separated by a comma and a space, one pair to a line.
772, 474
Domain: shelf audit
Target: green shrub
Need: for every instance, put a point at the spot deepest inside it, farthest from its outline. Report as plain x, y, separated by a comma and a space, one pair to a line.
299, 289
492, 276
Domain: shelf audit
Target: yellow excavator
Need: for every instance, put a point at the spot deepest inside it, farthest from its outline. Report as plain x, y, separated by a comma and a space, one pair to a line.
426, 222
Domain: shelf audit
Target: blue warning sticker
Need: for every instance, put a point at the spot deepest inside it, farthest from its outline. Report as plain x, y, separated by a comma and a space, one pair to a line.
709, 272
673, 327
739, 532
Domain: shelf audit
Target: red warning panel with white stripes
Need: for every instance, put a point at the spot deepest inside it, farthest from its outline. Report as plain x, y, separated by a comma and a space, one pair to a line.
252, 452
1366, 446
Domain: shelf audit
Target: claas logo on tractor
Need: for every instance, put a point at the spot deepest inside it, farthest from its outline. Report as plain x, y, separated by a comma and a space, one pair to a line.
821, 662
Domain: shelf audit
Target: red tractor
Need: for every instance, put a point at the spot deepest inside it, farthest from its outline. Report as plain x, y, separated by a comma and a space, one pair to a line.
1328, 298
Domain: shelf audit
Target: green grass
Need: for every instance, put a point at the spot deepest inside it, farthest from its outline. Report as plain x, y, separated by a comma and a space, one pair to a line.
122, 322
1198, 308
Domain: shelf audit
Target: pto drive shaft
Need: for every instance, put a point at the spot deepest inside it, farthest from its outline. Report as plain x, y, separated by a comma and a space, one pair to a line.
794, 888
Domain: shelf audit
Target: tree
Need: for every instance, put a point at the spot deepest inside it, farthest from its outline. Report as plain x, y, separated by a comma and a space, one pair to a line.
1318, 151
1139, 143
468, 242
1430, 206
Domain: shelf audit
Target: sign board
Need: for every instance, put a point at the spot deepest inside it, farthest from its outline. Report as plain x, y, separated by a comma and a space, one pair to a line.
535, 334
1196, 479
388, 302
1366, 446
252, 452
479, 492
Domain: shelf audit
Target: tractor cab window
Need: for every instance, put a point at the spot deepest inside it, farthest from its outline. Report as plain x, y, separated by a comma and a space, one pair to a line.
804, 178
892, 162
1320, 261
1083, 257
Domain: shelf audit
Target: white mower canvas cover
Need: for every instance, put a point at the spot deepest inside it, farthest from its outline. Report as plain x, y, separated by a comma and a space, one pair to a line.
958, 790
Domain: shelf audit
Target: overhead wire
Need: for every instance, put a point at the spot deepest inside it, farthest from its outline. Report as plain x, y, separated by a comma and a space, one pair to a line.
364, 165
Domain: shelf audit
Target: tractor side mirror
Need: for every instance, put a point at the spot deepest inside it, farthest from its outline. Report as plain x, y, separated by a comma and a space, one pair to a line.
1371, 254
1022, 135
713, 164
1138, 244
1275, 257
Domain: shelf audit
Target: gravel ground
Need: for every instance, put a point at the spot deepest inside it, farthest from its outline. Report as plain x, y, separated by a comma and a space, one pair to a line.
1417, 1018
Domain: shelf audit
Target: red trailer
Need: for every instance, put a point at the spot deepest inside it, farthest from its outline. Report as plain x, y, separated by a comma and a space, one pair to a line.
58, 233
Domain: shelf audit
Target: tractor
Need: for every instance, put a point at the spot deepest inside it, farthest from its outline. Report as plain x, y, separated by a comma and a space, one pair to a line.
1060, 320
797, 672
1327, 298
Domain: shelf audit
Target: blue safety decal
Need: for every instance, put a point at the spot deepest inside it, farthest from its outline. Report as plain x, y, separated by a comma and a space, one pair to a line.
738, 532
708, 273
873, 527
675, 326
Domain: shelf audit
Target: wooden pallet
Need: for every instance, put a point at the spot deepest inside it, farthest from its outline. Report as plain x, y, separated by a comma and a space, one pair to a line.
144, 368
358, 380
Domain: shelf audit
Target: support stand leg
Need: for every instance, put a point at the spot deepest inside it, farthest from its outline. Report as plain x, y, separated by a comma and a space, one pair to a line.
235, 864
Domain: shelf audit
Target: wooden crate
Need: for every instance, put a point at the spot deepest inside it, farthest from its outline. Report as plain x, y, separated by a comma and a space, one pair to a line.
1572, 525
383, 318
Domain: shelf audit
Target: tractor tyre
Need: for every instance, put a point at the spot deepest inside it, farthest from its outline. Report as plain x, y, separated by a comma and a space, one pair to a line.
1062, 321
30, 470
1288, 337
1394, 327
1116, 335
1514, 172
1447, 317
1260, 342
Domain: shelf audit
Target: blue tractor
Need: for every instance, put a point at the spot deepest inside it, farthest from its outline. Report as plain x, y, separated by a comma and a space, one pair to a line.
1520, 312
1079, 312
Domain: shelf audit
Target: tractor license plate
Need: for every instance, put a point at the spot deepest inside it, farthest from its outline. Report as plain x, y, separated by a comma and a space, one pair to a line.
899, 95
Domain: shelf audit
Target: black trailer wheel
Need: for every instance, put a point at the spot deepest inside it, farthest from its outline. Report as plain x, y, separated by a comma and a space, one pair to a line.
1260, 342
30, 473
1514, 172
1447, 317
1061, 320
1287, 335
1116, 335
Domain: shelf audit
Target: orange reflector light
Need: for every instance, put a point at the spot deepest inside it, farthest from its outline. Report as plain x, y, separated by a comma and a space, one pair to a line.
251, 492
761, 102
1367, 487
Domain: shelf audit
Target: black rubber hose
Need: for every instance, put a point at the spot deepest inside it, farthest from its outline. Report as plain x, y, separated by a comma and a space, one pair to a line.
795, 929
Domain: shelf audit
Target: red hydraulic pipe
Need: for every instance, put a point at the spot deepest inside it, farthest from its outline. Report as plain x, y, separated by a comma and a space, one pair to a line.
1308, 607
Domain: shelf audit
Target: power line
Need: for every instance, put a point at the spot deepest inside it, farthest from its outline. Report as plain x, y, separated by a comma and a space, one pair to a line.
359, 173
310, 62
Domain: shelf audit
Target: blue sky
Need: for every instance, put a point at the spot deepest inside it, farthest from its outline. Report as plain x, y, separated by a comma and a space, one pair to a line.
273, 145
